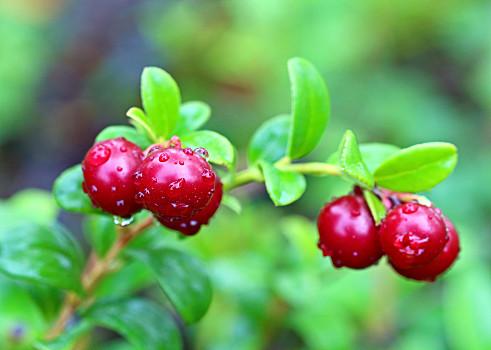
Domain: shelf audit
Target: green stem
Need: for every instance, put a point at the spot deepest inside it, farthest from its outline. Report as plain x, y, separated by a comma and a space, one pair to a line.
314, 168
244, 177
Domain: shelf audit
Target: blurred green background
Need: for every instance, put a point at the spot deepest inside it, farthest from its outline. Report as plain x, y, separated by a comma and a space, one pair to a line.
398, 71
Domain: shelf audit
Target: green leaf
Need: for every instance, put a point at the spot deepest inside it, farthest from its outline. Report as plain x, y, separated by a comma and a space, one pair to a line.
417, 168
232, 203
284, 187
161, 100
67, 339
68, 192
100, 231
129, 133
145, 324
270, 140
377, 208
193, 115
41, 254
140, 121
351, 162
310, 107
219, 148
182, 278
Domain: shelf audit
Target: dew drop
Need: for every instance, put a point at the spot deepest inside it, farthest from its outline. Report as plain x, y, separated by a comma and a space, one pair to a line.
176, 185
98, 155
355, 212
138, 175
154, 179
123, 149
410, 208
188, 151
139, 196
119, 169
94, 189
113, 188
355, 253
207, 174
122, 221
181, 162
164, 157
120, 203
194, 223
202, 152
179, 205
175, 142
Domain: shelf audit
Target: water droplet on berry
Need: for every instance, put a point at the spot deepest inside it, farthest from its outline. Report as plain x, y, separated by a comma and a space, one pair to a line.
113, 188
164, 157
176, 185
193, 223
123, 149
207, 174
122, 221
120, 203
94, 189
181, 162
355, 253
175, 142
138, 175
120, 169
154, 179
355, 212
139, 196
188, 151
98, 155
202, 152
410, 208
179, 205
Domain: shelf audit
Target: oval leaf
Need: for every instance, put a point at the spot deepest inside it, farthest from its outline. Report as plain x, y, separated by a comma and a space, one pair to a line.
232, 203
284, 187
310, 107
377, 208
181, 277
41, 254
145, 324
141, 123
161, 99
68, 192
417, 168
270, 141
351, 163
129, 133
219, 148
193, 115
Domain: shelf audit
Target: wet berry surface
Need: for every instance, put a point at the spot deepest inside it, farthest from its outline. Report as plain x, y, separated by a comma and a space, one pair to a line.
108, 169
347, 233
412, 235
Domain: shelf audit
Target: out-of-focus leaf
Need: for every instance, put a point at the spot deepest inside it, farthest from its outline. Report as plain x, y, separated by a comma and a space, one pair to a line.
69, 194
232, 203
41, 254
310, 107
182, 278
193, 115
270, 140
219, 148
377, 208
417, 168
284, 187
100, 231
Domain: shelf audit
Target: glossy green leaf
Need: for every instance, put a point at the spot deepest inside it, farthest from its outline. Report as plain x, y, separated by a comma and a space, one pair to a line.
283, 187
351, 162
129, 133
377, 208
67, 339
232, 203
144, 324
270, 140
100, 232
219, 148
161, 100
193, 115
417, 168
141, 122
182, 278
68, 192
310, 107
41, 254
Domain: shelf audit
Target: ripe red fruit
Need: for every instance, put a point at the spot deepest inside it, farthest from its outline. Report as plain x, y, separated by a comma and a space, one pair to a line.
412, 235
108, 169
174, 182
347, 233
191, 226
441, 263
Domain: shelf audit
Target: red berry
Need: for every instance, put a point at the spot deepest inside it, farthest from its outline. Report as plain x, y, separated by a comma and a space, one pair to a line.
412, 235
191, 226
108, 169
347, 233
174, 182
441, 263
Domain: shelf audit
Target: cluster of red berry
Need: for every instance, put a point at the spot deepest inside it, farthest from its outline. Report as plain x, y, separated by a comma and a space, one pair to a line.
420, 243
176, 184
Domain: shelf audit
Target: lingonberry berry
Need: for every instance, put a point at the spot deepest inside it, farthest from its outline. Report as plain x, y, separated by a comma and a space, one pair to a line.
412, 235
347, 233
174, 182
108, 169
191, 226
441, 263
